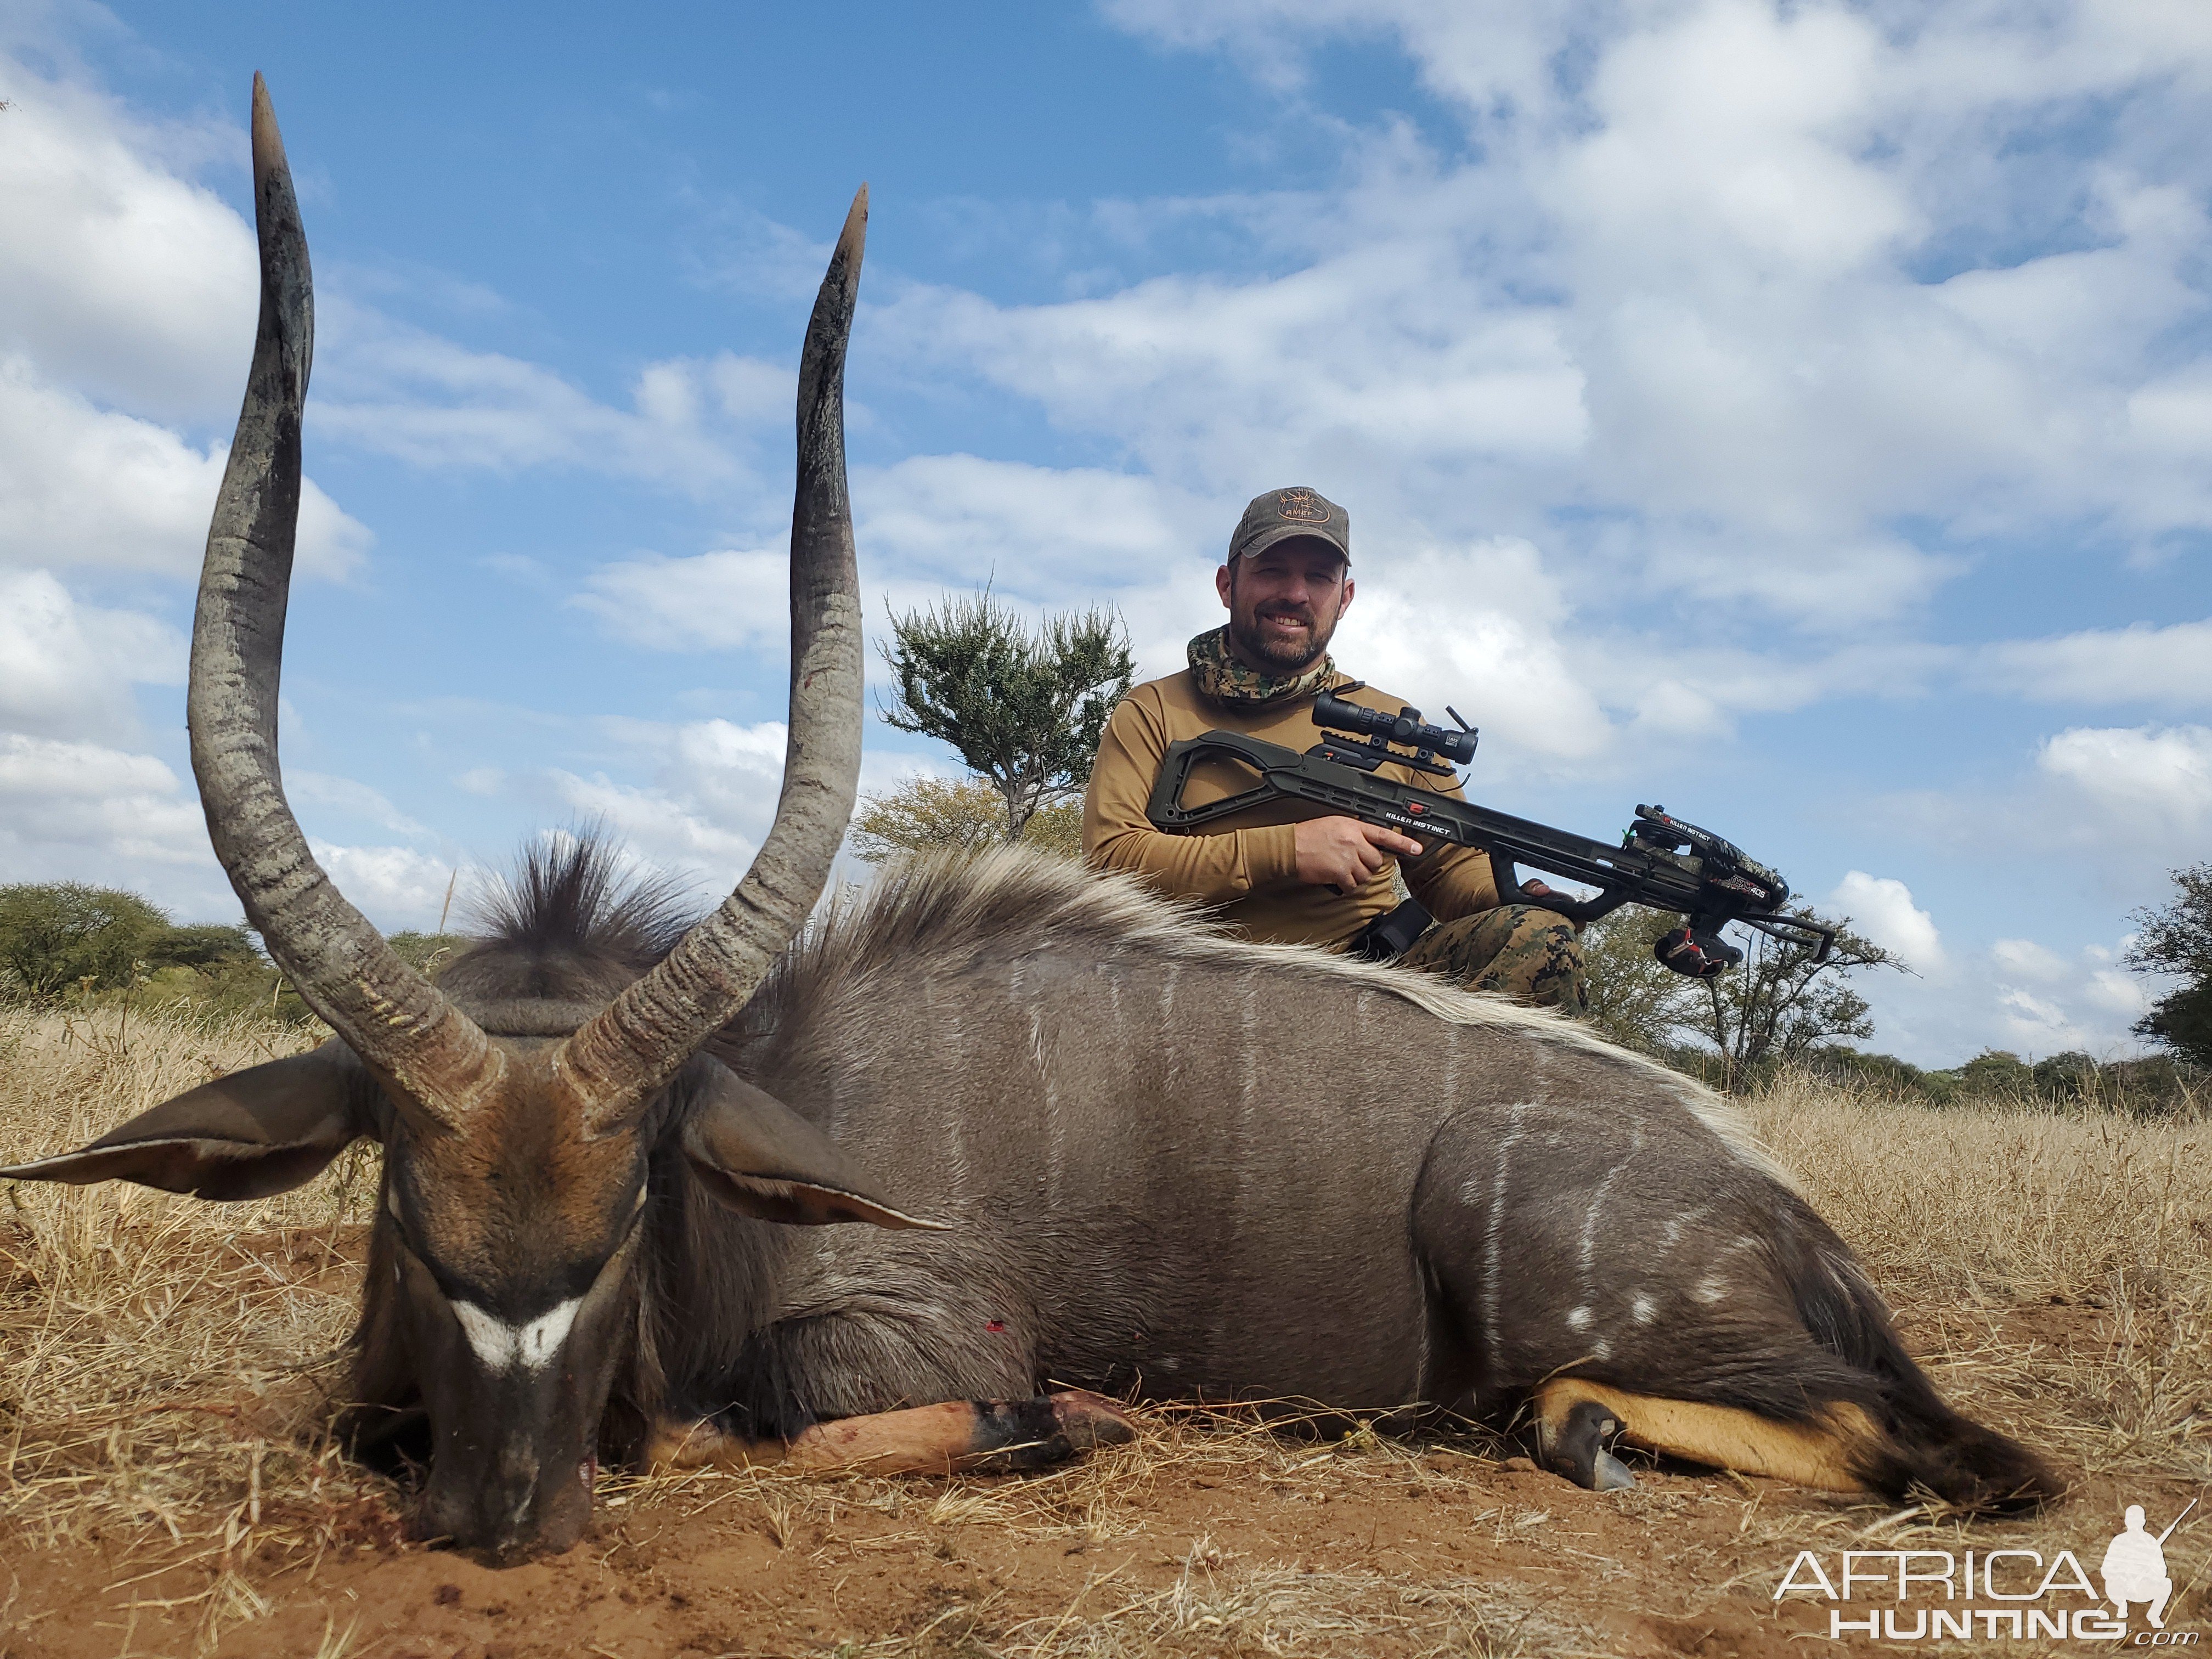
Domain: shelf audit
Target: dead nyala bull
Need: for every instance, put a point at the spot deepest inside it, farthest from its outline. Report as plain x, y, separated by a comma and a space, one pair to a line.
1132, 1152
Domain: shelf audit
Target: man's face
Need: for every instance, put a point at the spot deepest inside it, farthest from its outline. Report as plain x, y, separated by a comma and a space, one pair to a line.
1284, 604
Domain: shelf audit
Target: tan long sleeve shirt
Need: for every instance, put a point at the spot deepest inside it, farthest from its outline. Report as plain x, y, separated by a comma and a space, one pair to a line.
1247, 863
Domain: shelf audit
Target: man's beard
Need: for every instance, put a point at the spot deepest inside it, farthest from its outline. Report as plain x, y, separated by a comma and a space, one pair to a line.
1281, 655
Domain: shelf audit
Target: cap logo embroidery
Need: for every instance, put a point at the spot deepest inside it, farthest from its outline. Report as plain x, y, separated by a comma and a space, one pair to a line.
1301, 507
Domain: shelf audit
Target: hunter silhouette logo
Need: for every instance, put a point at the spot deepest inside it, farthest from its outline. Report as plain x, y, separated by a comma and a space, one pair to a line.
1929, 1594
1301, 505
2135, 1567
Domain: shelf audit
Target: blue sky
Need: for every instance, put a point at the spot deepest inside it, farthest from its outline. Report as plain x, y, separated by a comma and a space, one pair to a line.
1798, 414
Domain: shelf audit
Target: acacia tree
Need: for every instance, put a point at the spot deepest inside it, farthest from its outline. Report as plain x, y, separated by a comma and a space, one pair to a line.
54, 934
1779, 1002
1023, 709
1634, 998
57, 934
2176, 939
929, 814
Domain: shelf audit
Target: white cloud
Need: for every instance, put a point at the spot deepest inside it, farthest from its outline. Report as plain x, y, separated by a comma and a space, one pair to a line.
2045, 1002
1051, 534
348, 796
1881, 908
395, 887
1491, 653
2036, 1024
712, 798
662, 826
2017, 994
733, 771
2170, 667
1373, 360
84, 811
2023, 959
730, 601
2113, 991
401, 391
105, 808
1036, 536
67, 669
1724, 140
131, 290
1685, 284
2151, 782
124, 276
85, 486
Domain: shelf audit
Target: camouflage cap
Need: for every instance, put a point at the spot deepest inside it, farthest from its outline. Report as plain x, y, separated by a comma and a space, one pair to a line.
1276, 515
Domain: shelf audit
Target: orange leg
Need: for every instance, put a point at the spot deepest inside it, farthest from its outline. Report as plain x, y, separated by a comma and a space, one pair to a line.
1573, 1416
953, 1439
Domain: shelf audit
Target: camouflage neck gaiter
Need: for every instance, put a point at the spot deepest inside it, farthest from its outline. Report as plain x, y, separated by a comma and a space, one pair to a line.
1225, 679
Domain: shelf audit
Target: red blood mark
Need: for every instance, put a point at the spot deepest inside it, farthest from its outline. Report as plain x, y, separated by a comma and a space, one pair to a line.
997, 1327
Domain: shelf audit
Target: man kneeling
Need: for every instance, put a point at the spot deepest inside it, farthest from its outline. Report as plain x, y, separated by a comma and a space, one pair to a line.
1287, 870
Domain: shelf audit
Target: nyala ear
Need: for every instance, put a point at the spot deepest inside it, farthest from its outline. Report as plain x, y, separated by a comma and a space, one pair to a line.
761, 1158
264, 1130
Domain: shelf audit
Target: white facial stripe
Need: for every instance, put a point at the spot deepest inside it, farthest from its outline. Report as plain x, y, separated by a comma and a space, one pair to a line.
502, 1347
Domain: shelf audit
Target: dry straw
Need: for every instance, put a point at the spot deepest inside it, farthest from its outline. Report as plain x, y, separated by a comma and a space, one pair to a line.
164, 1367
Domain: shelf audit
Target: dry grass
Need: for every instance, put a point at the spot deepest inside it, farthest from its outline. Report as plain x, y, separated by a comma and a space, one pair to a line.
160, 1358
1967, 1215
162, 1365
1215, 1603
1217, 1599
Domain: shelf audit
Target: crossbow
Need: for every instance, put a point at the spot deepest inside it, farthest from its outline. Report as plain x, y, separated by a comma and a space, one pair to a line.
1662, 862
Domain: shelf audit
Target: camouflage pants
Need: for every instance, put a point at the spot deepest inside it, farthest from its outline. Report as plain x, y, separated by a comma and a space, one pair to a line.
1528, 953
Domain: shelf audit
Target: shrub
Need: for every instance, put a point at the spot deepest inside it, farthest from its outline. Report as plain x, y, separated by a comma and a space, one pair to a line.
57, 934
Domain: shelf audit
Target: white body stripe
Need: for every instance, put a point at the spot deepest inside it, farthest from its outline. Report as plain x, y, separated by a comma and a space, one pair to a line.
502, 1347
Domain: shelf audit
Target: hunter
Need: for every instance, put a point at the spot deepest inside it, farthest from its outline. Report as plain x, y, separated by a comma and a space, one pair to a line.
1287, 871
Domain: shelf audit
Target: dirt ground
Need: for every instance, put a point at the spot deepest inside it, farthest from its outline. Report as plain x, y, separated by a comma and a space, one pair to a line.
1200, 1540
164, 1488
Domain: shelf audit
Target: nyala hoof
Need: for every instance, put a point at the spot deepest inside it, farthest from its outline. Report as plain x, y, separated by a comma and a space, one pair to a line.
1090, 1420
1035, 1434
1577, 1449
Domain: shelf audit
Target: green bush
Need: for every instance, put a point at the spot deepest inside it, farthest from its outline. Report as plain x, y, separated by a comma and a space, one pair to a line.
101, 946
1840, 1063
1024, 709
56, 935
1996, 1075
204, 946
427, 953
928, 814
2175, 940
2159, 1086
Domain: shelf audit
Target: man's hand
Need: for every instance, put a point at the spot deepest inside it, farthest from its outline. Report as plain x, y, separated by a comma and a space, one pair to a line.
1343, 852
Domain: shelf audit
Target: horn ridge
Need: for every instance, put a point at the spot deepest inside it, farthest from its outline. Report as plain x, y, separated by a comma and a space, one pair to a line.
432, 1059
614, 1066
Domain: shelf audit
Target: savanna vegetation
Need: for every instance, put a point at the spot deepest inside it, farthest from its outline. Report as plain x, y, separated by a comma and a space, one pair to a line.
1784, 1013
931, 814
68, 946
1023, 708
2173, 941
